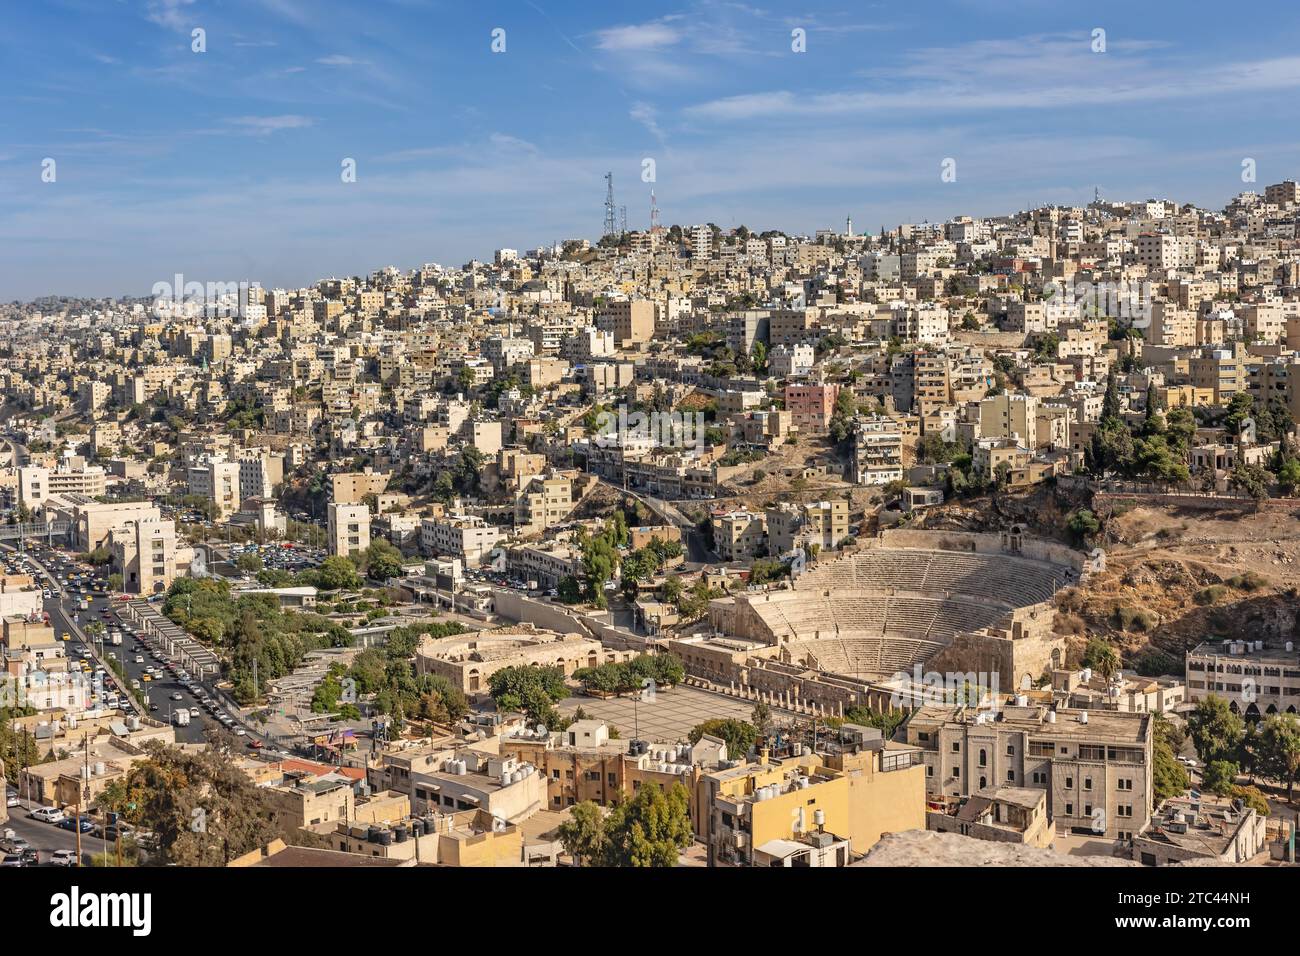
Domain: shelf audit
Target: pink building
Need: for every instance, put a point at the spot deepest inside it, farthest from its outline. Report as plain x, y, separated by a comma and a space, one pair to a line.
811, 406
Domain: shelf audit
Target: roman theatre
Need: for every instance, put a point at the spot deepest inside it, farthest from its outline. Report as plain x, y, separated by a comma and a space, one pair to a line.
943, 602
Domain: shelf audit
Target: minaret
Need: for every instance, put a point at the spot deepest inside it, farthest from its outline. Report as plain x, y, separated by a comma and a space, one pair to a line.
848, 226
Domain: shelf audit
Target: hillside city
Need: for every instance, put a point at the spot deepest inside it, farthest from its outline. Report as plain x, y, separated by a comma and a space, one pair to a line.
965, 542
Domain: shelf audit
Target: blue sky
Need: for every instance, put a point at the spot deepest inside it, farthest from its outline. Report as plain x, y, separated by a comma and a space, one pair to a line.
225, 165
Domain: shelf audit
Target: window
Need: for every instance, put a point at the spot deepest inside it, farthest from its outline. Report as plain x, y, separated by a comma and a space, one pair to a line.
1069, 809
984, 757
1011, 776
1011, 750
1069, 782
1087, 783
1124, 783
956, 772
956, 747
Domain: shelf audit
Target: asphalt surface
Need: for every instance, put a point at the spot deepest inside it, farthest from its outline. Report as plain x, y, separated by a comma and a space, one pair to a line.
71, 612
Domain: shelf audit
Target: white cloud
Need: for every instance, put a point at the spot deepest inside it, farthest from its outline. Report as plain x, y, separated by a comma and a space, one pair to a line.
655, 35
648, 116
265, 125
338, 59
169, 14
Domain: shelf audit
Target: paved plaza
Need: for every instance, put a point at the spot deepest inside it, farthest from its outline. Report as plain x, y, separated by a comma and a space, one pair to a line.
668, 718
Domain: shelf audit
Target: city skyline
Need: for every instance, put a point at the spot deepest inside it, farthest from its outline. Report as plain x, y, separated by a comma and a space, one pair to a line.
226, 164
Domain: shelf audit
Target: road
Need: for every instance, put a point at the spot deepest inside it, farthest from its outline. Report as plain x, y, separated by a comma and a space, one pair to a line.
696, 551
45, 838
68, 616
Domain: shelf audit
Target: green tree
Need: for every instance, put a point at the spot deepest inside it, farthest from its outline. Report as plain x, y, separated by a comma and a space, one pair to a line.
1277, 750
337, 572
739, 735
1102, 657
383, 561
1217, 733
761, 717
249, 562
650, 830
203, 808
1168, 776
583, 834
1221, 777
1252, 480
1288, 476
1082, 525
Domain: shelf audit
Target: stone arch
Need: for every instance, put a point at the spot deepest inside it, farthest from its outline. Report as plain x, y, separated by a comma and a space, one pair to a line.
1015, 538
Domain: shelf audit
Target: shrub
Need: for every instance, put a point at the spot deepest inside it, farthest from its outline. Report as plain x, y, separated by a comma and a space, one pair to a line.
1134, 619
1210, 595
1248, 581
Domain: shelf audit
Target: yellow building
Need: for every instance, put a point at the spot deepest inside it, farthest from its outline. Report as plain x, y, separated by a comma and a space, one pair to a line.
859, 788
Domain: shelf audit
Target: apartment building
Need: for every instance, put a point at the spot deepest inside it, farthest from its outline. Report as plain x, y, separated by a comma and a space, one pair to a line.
1094, 766
145, 554
821, 523
631, 321
739, 535
545, 565
877, 451
348, 529
1255, 677
1009, 416
70, 476
218, 482
258, 475
350, 487
543, 503
857, 787
467, 537
811, 406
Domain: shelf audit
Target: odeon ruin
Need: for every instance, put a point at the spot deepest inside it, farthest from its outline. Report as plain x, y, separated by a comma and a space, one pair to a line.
904, 602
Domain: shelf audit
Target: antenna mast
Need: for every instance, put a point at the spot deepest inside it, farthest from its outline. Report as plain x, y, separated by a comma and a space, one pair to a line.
611, 226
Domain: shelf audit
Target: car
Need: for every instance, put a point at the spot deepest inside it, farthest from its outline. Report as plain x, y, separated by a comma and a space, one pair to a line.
63, 858
146, 677
194, 712
113, 830
178, 696
11, 800
76, 823
255, 744
12, 859
139, 659
241, 732
47, 814
153, 707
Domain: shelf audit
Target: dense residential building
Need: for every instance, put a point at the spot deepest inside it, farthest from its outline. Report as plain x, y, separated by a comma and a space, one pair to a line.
348, 529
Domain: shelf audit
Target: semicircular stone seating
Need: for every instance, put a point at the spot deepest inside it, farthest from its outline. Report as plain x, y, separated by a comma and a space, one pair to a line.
883, 610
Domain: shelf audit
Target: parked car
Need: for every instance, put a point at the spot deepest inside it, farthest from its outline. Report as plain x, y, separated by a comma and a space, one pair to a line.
64, 858
111, 831
48, 814
74, 824
12, 800
12, 859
